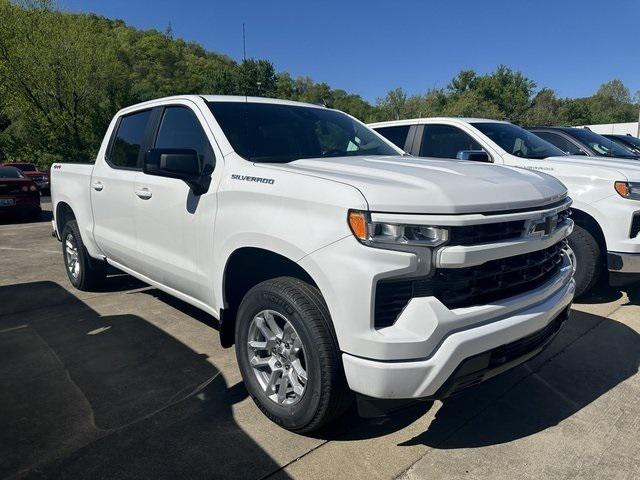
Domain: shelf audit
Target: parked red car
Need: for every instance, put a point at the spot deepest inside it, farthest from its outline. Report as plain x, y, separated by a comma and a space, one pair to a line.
31, 171
19, 195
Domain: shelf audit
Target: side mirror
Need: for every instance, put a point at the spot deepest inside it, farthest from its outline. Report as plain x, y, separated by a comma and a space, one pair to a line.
473, 155
182, 164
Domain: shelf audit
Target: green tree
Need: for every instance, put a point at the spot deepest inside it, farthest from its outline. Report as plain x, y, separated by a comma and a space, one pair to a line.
544, 109
256, 78
472, 104
56, 70
612, 103
393, 105
509, 91
464, 81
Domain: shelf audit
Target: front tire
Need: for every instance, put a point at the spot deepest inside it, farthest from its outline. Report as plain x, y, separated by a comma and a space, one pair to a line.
288, 355
588, 257
84, 272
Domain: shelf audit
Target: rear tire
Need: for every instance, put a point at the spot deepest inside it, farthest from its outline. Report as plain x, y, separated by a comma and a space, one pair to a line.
298, 384
588, 256
84, 272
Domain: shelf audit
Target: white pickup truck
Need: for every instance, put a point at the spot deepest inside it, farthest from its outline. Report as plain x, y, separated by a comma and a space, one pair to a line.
605, 191
334, 263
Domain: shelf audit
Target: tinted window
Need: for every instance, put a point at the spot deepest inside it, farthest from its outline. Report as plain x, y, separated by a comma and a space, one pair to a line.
627, 141
632, 140
562, 143
25, 167
267, 132
445, 141
180, 128
10, 172
397, 135
517, 141
128, 140
599, 144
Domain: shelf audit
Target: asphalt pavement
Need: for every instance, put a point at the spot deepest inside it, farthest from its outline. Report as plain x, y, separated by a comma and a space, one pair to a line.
128, 382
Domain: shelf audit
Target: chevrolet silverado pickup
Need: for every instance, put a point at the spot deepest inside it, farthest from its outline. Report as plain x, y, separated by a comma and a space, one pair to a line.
605, 191
332, 261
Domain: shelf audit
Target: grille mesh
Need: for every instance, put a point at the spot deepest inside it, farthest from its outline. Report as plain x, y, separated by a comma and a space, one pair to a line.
466, 287
491, 232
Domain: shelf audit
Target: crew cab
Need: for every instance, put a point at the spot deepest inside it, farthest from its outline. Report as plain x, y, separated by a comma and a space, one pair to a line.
335, 263
31, 171
605, 191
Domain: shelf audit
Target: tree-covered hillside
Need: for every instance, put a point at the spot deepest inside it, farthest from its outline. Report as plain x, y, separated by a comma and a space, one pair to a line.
63, 76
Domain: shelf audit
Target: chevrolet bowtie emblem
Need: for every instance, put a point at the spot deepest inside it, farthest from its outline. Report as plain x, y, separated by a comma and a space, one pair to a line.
543, 227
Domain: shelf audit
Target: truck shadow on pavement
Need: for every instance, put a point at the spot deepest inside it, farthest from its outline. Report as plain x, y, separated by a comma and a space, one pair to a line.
590, 357
91, 396
604, 293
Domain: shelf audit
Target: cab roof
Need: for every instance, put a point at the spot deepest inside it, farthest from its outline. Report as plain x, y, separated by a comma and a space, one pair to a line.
216, 98
419, 121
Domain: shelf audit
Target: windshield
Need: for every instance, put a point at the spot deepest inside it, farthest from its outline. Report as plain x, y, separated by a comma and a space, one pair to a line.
277, 133
10, 172
599, 144
517, 141
632, 140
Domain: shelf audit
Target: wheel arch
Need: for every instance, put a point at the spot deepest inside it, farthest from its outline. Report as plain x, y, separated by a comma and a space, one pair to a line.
589, 223
245, 268
63, 214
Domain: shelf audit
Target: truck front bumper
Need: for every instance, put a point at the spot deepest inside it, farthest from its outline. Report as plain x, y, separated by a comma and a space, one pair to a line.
464, 357
624, 268
622, 262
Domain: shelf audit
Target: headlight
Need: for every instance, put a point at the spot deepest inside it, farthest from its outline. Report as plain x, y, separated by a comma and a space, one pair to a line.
378, 233
629, 190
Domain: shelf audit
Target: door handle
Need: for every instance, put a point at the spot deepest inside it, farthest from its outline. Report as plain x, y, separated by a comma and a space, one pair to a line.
98, 186
144, 193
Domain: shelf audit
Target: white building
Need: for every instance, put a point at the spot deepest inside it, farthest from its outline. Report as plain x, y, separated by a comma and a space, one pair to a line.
616, 128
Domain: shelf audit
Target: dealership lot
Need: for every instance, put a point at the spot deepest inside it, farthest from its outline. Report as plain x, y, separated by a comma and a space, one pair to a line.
129, 382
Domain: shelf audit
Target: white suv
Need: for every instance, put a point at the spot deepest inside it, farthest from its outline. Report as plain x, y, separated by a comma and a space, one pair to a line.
605, 191
333, 262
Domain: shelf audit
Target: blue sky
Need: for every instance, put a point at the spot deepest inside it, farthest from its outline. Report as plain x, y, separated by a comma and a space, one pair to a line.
370, 47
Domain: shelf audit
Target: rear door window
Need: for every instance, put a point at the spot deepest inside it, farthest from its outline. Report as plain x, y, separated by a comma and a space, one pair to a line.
128, 141
445, 141
397, 135
567, 146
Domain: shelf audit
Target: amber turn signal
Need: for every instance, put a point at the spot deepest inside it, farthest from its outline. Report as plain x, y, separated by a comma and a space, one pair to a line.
358, 224
622, 188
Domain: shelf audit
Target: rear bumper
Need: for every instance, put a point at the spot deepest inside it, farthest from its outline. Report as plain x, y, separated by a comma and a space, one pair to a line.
22, 205
473, 351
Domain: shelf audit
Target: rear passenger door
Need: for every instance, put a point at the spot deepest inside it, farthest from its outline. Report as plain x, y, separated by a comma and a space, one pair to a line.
175, 226
112, 187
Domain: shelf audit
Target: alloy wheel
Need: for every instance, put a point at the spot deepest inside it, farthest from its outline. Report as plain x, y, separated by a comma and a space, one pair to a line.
72, 255
276, 355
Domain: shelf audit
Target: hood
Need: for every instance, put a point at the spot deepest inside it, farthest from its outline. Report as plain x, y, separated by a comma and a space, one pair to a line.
424, 185
627, 167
